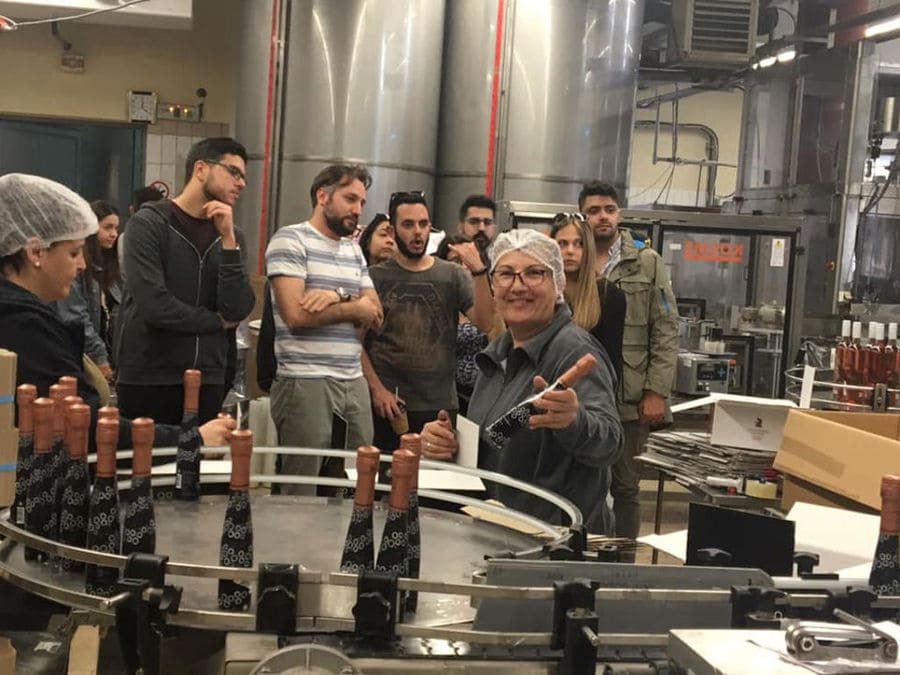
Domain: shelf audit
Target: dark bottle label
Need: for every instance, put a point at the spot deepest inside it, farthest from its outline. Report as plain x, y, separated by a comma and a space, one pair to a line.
236, 550
359, 544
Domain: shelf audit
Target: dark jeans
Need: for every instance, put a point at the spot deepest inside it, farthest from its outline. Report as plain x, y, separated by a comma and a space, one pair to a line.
626, 478
164, 404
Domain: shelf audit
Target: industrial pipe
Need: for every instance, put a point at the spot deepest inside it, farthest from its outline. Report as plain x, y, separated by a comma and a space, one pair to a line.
712, 151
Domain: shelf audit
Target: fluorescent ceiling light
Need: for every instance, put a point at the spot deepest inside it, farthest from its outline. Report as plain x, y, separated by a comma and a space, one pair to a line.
767, 61
786, 55
883, 27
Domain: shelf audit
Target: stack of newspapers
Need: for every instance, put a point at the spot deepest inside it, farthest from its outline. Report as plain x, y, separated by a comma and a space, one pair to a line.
692, 459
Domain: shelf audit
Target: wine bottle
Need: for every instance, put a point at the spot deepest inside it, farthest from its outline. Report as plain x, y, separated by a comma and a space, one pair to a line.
841, 352
187, 457
855, 365
69, 385
413, 443
139, 528
40, 506
236, 549
359, 544
103, 532
25, 395
58, 393
502, 430
73, 505
392, 554
108, 412
892, 365
885, 576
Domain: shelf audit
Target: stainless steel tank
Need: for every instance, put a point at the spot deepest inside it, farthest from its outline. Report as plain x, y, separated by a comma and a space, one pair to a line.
362, 84
565, 108
250, 118
359, 82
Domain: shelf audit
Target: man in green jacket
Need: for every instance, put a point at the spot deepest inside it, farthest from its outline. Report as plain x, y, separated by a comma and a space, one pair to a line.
649, 342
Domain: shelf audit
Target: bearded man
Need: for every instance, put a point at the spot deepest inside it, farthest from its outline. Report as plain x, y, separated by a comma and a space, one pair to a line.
323, 301
411, 362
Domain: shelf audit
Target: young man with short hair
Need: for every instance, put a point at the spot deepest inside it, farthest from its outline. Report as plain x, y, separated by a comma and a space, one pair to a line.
185, 287
649, 342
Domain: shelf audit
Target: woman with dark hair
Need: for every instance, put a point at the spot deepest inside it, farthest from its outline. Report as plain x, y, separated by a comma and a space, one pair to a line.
377, 240
43, 227
97, 292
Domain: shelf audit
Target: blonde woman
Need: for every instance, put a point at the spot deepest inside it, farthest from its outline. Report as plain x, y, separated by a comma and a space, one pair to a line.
597, 306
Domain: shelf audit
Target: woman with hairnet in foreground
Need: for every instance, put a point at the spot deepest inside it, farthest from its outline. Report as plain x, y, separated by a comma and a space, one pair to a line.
43, 226
574, 437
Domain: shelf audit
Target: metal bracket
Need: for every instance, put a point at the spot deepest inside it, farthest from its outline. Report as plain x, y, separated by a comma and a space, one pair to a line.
569, 595
277, 588
806, 562
578, 540
141, 615
607, 553
580, 652
856, 600
879, 397
376, 605
755, 607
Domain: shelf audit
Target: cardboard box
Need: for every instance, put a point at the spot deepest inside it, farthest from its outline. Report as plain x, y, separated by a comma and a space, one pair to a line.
9, 450
840, 452
748, 421
84, 649
7, 657
795, 490
7, 388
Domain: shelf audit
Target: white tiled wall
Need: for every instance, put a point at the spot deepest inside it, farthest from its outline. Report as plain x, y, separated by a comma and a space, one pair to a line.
168, 144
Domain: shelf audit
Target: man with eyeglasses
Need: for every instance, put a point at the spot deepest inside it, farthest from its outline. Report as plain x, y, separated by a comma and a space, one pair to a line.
411, 361
477, 222
186, 287
649, 341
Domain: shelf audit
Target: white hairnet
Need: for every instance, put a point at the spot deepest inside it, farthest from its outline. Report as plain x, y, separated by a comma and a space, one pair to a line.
539, 246
38, 211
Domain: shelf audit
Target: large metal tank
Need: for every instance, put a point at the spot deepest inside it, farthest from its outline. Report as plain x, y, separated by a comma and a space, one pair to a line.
565, 106
359, 82
362, 84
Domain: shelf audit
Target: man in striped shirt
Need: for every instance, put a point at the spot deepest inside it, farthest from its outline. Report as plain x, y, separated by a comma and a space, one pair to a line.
324, 301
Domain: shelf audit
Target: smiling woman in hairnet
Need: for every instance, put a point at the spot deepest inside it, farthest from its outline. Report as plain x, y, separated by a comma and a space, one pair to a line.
574, 438
43, 226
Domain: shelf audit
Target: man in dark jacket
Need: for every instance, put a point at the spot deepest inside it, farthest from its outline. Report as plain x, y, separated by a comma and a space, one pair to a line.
186, 286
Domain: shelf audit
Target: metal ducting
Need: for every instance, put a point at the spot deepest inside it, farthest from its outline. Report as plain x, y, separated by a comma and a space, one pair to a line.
564, 108
713, 33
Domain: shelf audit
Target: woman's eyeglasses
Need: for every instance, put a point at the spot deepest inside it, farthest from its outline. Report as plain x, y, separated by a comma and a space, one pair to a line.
530, 277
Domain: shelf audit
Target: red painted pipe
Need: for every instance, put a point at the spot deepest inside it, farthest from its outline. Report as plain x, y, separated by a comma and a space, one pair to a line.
495, 95
270, 102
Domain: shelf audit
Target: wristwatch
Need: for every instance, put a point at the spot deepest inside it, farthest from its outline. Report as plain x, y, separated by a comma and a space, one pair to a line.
343, 293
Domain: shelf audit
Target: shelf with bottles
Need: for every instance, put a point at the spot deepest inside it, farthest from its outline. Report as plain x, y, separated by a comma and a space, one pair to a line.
864, 373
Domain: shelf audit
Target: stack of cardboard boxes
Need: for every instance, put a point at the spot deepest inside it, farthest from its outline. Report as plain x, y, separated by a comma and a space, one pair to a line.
837, 458
8, 434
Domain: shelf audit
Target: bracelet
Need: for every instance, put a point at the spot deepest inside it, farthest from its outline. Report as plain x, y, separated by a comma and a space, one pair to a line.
481, 272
